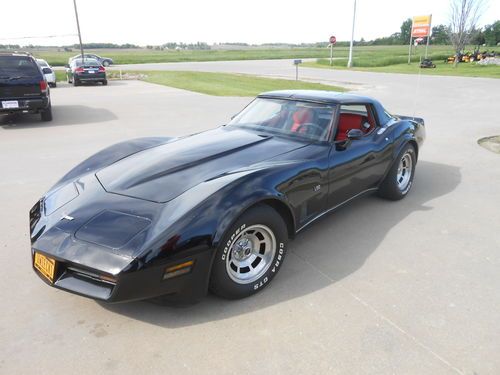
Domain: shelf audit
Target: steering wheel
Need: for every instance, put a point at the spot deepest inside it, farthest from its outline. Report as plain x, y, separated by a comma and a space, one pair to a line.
310, 125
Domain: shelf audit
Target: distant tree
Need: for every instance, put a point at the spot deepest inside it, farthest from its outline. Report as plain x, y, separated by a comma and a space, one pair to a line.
404, 36
477, 37
440, 35
464, 15
492, 34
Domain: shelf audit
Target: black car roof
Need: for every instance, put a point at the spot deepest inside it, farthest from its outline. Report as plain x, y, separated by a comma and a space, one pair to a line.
322, 96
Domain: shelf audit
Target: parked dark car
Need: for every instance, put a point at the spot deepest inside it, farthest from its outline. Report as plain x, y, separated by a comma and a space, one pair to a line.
105, 61
87, 70
23, 87
215, 210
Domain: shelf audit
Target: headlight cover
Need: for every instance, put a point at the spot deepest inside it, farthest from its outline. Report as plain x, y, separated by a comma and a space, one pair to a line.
59, 198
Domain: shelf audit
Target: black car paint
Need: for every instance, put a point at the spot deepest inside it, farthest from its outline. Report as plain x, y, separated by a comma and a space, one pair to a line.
25, 90
90, 72
212, 184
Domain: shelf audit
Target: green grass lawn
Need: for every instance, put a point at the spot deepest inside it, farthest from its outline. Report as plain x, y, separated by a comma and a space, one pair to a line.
442, 68
138, 56
135, 56
223, 84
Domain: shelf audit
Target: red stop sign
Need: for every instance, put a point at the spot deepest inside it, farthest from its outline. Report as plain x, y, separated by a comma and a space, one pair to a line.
333, 40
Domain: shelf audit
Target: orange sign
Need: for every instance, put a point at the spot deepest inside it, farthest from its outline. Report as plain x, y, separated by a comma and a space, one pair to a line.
421, 26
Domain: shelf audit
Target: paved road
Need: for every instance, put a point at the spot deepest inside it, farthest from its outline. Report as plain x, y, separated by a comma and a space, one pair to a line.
410, 287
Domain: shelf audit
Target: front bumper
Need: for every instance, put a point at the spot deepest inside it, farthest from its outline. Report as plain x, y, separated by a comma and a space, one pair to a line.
131, 284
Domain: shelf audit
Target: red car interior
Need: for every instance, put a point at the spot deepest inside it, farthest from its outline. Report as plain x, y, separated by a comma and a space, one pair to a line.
302, 116
348, 121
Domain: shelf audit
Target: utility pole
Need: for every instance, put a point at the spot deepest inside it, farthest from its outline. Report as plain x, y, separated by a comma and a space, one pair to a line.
349, 63
78, 27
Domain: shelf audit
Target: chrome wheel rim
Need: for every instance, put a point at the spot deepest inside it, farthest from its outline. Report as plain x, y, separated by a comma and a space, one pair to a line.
404, 171
251, 254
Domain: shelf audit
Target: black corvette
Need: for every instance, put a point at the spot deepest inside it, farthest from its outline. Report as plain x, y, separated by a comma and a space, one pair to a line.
213, 211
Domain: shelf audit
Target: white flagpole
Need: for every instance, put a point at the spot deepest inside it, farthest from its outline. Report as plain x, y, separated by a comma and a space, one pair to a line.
349, 63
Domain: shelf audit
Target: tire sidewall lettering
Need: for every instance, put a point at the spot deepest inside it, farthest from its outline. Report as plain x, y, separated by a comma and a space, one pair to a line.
227, 247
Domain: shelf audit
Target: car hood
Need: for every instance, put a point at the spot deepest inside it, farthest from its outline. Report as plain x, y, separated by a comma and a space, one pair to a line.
161, 173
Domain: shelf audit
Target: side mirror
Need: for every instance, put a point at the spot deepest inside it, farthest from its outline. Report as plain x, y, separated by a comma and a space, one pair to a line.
66, 66
355, 134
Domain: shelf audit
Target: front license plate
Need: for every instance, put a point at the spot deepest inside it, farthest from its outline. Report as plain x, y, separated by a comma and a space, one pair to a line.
10, 104
46, 266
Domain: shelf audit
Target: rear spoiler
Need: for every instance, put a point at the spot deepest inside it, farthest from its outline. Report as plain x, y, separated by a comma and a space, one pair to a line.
417, 120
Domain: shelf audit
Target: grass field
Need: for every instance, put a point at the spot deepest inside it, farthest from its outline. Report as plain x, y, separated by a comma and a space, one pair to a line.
223, 84
136, 56
442, 68
218, 84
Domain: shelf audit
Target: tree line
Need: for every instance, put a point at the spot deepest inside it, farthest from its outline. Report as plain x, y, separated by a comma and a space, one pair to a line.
488, 35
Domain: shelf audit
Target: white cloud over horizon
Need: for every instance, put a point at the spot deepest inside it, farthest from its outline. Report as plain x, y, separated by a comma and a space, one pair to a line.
157, 22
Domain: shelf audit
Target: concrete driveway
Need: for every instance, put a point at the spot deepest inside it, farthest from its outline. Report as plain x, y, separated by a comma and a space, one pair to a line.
409, 287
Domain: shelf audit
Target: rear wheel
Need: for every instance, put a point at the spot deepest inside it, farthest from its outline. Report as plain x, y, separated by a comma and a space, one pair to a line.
250, 254
76, 82
105, 82
399, 180
46, 114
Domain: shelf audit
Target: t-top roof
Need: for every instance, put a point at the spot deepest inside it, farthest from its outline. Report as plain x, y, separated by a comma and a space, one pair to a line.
323, 96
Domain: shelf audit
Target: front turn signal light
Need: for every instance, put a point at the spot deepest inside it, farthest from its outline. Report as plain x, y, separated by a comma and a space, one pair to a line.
178, 270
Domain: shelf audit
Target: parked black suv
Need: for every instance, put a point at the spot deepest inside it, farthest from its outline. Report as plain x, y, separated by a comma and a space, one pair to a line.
23, 87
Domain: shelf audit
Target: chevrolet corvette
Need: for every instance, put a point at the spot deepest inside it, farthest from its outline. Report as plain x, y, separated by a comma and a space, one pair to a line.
213, 211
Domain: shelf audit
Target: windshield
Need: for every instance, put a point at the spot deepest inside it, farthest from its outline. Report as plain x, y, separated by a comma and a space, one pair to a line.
22, 66
42, 63
288, 117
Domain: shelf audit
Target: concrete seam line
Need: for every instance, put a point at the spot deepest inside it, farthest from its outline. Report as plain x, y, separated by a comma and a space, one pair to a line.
384, 318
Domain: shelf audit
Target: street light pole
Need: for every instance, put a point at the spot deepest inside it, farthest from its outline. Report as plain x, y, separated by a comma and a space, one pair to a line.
78, 27
349, 63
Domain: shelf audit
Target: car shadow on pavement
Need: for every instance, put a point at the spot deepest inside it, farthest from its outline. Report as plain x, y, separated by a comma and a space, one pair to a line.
329, 250
63, 115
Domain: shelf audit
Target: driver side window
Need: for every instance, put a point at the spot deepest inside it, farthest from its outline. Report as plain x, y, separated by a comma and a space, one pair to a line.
355, 116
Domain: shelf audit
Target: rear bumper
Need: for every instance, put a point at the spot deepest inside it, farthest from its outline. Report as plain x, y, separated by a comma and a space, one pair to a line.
90, 77
132, 285
27, 105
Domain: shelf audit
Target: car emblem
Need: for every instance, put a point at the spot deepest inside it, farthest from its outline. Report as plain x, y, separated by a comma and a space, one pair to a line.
67, 217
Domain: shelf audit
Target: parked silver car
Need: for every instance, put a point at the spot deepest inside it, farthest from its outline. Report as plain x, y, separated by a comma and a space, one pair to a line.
48, 72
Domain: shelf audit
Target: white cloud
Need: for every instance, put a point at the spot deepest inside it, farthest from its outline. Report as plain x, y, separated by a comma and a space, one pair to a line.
259, 21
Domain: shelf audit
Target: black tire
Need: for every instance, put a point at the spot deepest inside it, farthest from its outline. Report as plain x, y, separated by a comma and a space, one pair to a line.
76, 82
105, 82
105, 63
46, 114
256, 219
393, 187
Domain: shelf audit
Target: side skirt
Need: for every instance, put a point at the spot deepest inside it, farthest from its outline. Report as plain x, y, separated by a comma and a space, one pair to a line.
335, 207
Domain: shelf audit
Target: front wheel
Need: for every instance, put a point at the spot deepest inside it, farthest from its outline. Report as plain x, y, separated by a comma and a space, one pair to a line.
105, 63
250, 254
399, 180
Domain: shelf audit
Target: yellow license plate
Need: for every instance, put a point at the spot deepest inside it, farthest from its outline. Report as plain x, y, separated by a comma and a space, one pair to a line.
46, 266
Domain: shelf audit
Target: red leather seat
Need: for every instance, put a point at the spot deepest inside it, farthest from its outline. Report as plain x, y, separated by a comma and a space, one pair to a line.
302, 116
348, 121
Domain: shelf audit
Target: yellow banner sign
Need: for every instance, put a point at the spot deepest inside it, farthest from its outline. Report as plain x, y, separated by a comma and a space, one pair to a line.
421, 26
